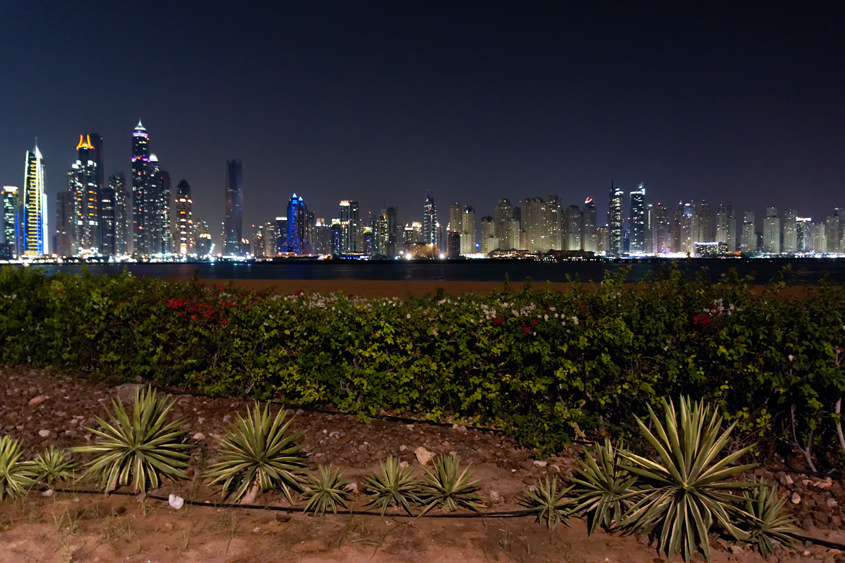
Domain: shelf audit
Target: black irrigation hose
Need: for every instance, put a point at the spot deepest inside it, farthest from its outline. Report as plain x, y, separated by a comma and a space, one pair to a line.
293, 509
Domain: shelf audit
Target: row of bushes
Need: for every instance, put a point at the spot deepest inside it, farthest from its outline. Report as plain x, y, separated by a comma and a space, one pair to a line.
545, 365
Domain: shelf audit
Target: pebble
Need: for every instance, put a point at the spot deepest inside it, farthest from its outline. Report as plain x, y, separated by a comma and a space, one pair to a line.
44, 433
423, 455
539, 463
37, 400
796, 498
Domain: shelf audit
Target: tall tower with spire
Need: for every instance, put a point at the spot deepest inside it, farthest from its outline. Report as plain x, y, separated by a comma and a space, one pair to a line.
34, 205
429, 226
141, 185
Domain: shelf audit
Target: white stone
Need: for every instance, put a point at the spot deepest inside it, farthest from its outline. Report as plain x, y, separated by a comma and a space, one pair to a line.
423, 455
44, 433
175, 501
796, 498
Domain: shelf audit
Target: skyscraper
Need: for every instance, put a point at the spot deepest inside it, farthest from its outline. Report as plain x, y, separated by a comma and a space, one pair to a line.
790, 232
86, 200
726, 226
572, 224
233, 225
468, 230
429, 224
160, 236
349, 231
614, 219
771, 231
11, 208
748, 243
298, 239
637, 221
65, 220
589, 232
34, 206
184, 219
141, 185
122, 214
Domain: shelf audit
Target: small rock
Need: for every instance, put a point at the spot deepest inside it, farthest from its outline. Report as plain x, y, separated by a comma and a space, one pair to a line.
403, 447
555, 467
423, 455
445, 444
37, 400
403, 464
831, 502
47, 493
198, 437
453, 453
796, 498
786, 480
459, 427
824, 485
175, 501
282, 517
495, 496
352, 488
126, 392
44, 433
539, 463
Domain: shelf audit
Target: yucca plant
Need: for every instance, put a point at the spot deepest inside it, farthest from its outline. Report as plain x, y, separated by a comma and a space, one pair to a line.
142, 447
325, 490
53, 464
603, 487
689, 488
392, 485
450, 487
16, 476
765, 520
549, 502
258, 452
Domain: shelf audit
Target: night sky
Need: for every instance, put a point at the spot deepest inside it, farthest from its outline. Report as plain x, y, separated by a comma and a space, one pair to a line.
475, 101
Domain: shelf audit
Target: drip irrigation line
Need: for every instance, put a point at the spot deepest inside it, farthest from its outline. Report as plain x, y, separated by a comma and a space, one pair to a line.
293, 509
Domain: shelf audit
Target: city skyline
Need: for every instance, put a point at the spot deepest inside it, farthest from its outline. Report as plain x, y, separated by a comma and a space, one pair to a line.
382, 103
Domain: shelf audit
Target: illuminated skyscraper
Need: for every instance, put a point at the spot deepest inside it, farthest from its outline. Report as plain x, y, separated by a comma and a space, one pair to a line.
468, 231
572, 224
790, 232
65, 220
489, 242
159, 233
34, 206
184, 219
748, 242
726, 227
141, 186
86, 200
349, 228
637, 221
298, 228
771, 231
589, 231
614, 220
11, 222
429, 223
122, 214
233, 225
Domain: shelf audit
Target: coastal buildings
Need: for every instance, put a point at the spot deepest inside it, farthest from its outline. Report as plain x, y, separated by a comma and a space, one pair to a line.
233, 223
34, 206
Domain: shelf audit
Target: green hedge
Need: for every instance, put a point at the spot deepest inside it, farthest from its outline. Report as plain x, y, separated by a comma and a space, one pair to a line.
542, 364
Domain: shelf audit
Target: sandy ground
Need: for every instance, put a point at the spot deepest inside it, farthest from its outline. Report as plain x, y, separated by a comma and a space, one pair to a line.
42, 408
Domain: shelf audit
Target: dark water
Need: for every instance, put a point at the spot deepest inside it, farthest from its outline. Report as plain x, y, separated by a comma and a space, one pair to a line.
794, 270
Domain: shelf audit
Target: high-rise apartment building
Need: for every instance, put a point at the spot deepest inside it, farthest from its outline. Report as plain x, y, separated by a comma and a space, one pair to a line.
233, 224
82, 182
636, 223
122, 214
160, 232
662, 230
614, 220
10, 238
804, 234
141, 184
184, 219
34, 235
553, 222
65, 220
726, 227
298, 234
790, 232
468, 230
771, 231
572, 225
589, 228
349, 227
489, 242
429, 223
535, 232
748, 242
507, 228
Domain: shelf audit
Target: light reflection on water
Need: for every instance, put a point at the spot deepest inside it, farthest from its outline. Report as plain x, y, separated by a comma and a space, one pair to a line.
805, 270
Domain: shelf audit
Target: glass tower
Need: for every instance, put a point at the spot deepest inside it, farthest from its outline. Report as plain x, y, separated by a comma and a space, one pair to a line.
34, 206
233, 225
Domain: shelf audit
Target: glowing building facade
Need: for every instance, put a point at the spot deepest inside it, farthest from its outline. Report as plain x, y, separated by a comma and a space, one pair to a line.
34, 206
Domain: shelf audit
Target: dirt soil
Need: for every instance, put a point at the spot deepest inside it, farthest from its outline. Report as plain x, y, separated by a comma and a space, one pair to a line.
43, 408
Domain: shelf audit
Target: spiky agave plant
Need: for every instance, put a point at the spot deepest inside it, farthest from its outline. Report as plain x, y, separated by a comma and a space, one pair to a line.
603, 487
549, 502
765, 520
52, 465
142, 447
392, 485
16, 476
258, 451
689, 488
450, 487
324, 490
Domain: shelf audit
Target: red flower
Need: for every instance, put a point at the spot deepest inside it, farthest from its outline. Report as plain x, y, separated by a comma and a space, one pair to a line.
534, 321
498, 320
224, 321
702, 319
525, 329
